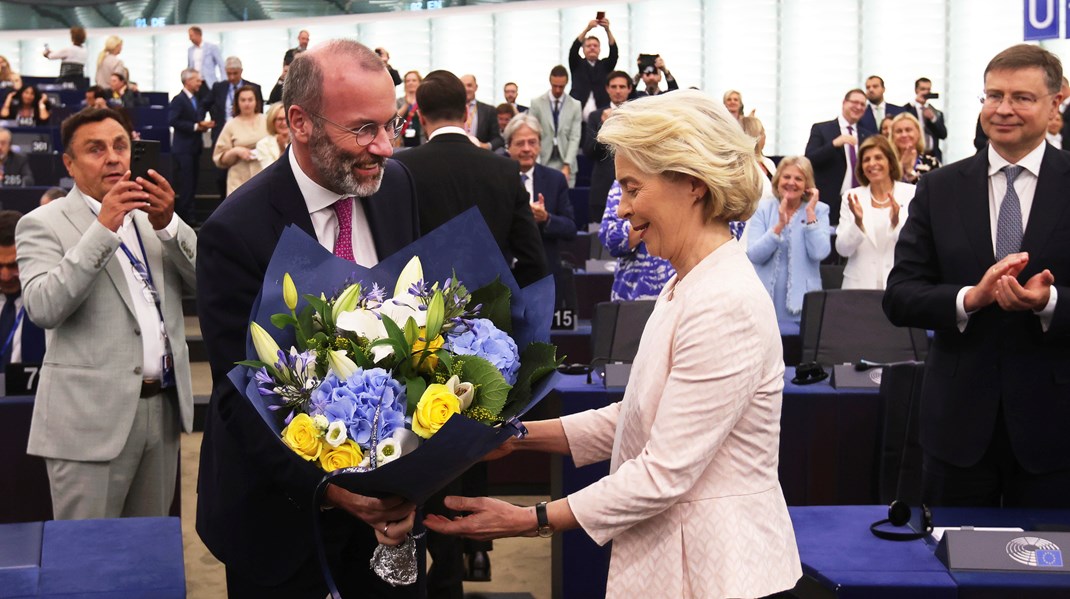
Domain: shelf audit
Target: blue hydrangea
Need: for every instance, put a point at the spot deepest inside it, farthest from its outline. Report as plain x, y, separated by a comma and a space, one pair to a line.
354, 402
481, 338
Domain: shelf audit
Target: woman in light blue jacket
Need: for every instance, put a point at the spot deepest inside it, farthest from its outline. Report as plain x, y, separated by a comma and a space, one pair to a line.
789, 236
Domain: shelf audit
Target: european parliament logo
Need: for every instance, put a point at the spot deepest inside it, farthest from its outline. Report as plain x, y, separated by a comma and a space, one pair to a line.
1035, 552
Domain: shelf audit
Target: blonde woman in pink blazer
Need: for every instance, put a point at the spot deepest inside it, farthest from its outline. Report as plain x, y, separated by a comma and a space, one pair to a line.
692, 502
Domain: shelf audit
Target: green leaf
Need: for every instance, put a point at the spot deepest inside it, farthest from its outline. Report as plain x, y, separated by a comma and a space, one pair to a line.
491, 389
396, 336
252, 363
304, 327
359, 357
281, 321
445, 359
436, 312
536, 361
414, 390
495, 298
323, 309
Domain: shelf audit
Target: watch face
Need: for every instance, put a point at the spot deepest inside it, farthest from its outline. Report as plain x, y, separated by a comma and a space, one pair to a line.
546, 532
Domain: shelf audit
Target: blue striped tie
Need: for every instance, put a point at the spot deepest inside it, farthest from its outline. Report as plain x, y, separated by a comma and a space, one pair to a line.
1009, 222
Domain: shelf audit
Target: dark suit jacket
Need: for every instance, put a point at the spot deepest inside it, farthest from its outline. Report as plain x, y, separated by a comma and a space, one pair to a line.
183, 118
217, 103
32, 340
452, 175
254, 500
603, 169
936, 128
1002, 358
561, 226
1065, 131
587, 78
520, 108
17, 171
869, 122
486, 122
830, 162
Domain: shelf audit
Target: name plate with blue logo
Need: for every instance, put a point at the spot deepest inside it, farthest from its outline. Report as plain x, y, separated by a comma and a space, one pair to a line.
1005, 551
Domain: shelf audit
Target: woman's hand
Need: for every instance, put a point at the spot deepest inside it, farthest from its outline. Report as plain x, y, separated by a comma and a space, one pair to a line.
241, 153
856, 210
893, 210
811, 204
489, 519
906, 162
783, 217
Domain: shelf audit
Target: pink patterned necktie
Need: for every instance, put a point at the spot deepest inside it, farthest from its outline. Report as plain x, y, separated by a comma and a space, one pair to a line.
343, 244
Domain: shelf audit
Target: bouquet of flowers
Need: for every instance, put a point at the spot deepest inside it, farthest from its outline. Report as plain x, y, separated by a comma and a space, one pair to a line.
397, 393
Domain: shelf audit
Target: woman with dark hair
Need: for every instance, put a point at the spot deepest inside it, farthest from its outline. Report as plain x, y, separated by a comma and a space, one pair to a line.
871, 216
235, 150
73, 58
27, 107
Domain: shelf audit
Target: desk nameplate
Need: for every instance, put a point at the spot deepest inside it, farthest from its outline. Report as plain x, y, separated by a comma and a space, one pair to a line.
1005, 551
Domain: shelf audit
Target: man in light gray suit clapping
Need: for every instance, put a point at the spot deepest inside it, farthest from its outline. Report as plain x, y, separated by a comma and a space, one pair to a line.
103, 270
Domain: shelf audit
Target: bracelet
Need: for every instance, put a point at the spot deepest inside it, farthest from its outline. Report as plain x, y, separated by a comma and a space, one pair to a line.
812, 222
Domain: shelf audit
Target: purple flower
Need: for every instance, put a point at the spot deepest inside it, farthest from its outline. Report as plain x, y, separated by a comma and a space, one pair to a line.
481, 338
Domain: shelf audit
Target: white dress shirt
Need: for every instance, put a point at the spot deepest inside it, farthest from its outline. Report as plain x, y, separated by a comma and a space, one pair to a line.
530, 183
320, 204
1025, 185
847, 181
918, 111
148, 317
198, 58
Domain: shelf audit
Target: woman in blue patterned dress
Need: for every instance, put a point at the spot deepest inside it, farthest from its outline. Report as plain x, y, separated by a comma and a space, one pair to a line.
639, 275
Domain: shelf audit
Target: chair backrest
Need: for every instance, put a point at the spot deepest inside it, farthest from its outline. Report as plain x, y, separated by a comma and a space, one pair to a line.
899, 471
847, 325
831, 276
616, 329
599, 251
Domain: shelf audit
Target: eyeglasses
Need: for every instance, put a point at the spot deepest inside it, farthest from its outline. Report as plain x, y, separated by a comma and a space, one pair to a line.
366, 134
995, 99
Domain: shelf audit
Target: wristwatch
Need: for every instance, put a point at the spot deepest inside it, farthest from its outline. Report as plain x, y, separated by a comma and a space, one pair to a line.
545, 530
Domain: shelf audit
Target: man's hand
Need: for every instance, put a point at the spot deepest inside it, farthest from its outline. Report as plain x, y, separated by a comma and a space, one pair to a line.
845, 139
928, 113
608, 112
369, 509
394, 533
1013, 297
538, 210
205, 125
124, 196
161, 199
566, 170
984, 293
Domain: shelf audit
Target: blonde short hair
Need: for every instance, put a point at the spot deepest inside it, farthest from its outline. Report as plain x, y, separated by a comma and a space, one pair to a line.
271, 114
913, 120
800, 162
689, 133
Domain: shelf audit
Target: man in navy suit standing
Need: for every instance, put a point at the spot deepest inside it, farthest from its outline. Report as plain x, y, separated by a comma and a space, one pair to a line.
876, 108
983, 262
185, 114
832, 149
548, 190
23, 341
254, 501
223, 92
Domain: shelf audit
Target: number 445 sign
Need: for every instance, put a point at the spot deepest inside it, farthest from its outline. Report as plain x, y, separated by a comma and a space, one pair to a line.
1043, 19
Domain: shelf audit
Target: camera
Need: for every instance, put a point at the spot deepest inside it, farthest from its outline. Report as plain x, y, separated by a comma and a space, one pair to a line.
932, 96
646, 61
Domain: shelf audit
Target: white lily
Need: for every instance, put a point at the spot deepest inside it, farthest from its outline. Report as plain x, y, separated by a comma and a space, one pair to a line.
465, 392
289, 292
340, 364
401, 308
267, 350
367, 324
413, 272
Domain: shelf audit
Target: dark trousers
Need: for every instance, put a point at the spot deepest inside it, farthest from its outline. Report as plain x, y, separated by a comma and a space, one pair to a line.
445, 579
348, 551
184, 177
998, 480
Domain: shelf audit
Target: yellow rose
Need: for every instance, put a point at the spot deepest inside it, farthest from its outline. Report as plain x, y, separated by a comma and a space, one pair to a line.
346, 455
436, 406
303, 436
431, 361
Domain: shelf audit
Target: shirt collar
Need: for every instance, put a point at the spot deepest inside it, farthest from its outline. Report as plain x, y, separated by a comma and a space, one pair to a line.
445, 130
316, 196
879, 106
1031, 161
844, 124
188, 93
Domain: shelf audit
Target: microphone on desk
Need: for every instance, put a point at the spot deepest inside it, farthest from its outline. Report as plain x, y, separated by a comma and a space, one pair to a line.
863, 364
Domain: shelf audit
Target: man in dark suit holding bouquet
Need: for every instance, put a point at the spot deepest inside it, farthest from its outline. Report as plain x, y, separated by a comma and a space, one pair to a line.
255, 508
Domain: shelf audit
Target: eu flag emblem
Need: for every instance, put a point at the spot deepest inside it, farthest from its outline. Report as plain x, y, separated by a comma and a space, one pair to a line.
1050, 558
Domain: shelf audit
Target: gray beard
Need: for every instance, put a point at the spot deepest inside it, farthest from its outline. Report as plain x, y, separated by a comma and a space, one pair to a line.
335, 167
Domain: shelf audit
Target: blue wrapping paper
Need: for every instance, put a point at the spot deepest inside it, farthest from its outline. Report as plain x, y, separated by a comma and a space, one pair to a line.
463, 246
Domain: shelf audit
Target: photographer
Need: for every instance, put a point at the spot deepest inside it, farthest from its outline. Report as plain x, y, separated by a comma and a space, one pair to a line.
651, 67
588, 72
930, 118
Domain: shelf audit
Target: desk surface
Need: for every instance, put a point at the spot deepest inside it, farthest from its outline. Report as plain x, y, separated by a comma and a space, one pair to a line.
840, 553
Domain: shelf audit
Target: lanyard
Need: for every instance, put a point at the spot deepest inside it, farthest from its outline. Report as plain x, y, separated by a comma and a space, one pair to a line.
14, 327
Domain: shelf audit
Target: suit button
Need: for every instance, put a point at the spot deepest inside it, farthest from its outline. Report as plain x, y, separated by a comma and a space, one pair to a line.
137, 370
137, 331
